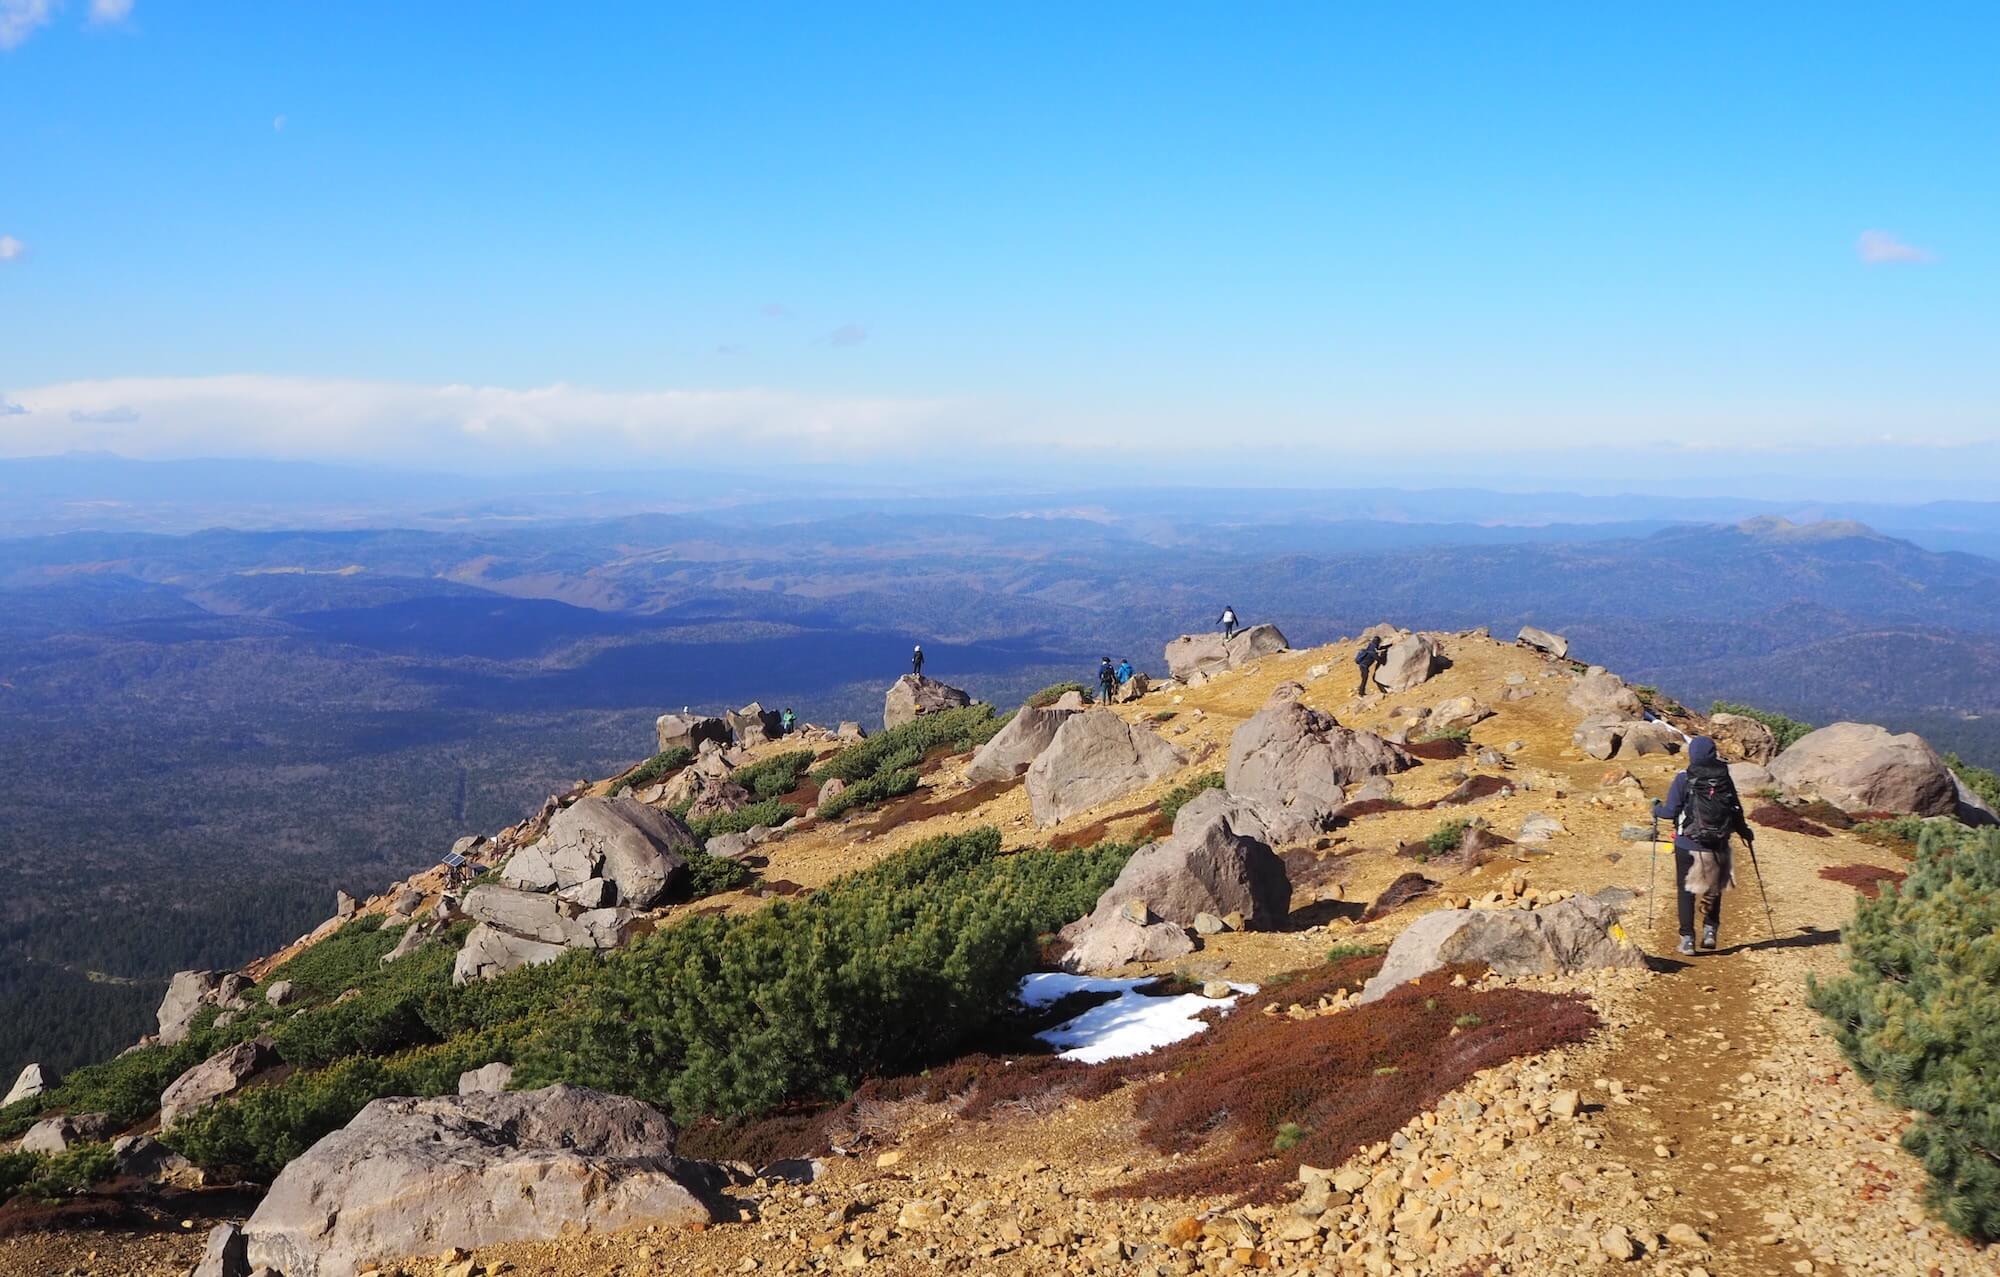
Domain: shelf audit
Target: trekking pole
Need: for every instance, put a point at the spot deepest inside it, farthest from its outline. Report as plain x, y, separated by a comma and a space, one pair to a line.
1653, 853
1765, 896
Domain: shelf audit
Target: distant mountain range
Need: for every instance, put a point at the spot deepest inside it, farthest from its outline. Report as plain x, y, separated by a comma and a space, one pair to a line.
202, 735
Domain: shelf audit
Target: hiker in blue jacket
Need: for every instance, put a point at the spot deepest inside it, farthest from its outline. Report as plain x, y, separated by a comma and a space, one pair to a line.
1705, 810
1125, 672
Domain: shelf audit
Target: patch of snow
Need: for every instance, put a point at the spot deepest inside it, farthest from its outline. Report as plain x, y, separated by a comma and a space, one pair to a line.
1129, 1024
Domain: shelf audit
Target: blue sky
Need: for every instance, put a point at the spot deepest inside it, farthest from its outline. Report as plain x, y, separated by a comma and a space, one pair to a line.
1315, 240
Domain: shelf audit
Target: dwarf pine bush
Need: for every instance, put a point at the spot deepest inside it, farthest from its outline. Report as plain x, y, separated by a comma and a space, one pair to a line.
1181, 795
1917, 1011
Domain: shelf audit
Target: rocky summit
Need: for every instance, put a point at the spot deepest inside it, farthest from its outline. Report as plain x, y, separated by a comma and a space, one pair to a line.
1239, 973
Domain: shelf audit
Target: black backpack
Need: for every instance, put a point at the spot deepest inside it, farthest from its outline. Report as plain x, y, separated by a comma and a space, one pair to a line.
1369, 654
1712, 808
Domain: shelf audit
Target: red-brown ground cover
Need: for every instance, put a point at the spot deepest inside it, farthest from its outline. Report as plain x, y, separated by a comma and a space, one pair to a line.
1772, 816
1866, 879
1443, 749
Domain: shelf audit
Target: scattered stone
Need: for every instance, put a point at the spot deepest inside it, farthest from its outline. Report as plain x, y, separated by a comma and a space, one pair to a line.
31, 1082
1538, 827
187, 993
1541, 640
225, 1255
640, 850
1602, 694
1560, 939
1743, 739
1209, 654
488, 1079
56, 1134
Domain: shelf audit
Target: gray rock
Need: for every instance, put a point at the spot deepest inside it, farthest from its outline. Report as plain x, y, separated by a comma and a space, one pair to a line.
486, 1080
416, 1176
1106, 943
641, 850
143, 1157
1292, 758
1374, 789
1131, 689
754, 724
1538, 827
416, 936
1751, 779
1209, 654
1743, 739
1972, 809
914, 695
1862, 767
31, 1082
1095, 756
1411, 660
1600, 735
490, 951
1210, 864
851, 730
1207, 924
221, 1074
1543, 641
1016, 745
1603, 695
407, 902
187, 993
280, 993
225, 1255
1457, 712
56, 1134
344, 905
688, 731
1578, 934
1649, 737
591, 893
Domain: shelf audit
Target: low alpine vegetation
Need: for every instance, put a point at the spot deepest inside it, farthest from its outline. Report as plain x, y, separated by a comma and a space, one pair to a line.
1181, 795
889, 765
659, 766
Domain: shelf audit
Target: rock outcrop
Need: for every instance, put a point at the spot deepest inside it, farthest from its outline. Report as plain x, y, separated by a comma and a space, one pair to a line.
56, 1134
417, 1176
1132, 689
526, 928
640, 850
1017, 745
187, 993
1456, 714
221, 1074
1543, 641
1743, 740
914, 695
1210, 864
1113, 941
1559, 939
1292, 763
688, 731
1192, 654
1863, 767
1094, 757
1972, 809
488, 1079
31, 1082
1602, 694
753, 724
1411, 660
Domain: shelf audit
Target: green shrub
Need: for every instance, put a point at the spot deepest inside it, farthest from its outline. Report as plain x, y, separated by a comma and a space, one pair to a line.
54, 1177
1446, 837
886, 970
1342, 952
128, 1087
962, 729
776, 776
337, 963
869, 793
386, 1012
711, 875
659, 766
1054, 692
1181, 795
1787, 730
769, 812
1459, 734
1916, 1013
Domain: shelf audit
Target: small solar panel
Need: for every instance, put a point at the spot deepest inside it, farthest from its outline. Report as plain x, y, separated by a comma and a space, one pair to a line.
453, 859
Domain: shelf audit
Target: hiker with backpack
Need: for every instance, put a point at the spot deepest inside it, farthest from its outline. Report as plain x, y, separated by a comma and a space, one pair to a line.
1107, 681
1228, 622
1125, 672
1705, 810
787, 721
917, 660
1371, 655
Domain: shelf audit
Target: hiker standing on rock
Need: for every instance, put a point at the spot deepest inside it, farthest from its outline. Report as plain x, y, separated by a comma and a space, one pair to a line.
1705, 809
917, 660
1107, 681
1228, 622
1372, 654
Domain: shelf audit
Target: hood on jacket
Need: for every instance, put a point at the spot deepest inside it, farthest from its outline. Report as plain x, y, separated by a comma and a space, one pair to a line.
1701, 749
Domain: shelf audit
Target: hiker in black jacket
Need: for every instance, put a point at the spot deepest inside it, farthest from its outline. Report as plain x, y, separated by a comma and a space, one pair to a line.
1372, 654
1703, 805
1107, 682
917, 660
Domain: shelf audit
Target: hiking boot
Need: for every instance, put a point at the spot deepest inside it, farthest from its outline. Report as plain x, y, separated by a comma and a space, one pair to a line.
1708, 936
1687, 946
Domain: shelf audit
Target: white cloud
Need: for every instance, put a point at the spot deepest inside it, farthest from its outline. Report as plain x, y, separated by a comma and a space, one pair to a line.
10, 248
277, 124
390, 421
20, 18
11, 409
106, 11
1881, 248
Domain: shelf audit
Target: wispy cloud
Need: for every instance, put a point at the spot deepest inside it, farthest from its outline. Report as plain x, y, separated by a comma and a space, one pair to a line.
847, 335
108, 11
775, 310
277, 124
10, 248
1881, 248
401, 422
10, 409
19, 19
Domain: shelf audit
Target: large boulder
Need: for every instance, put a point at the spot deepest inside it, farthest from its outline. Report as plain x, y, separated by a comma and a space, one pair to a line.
1456, 713
688, 731
1291, 757
224, 1255
1580, 933
1601, 694
221, 1074
641, 850
1410, 660
187, 993
1649, 736
1132, 689
913, 695
1863, 767
1016, 745
1094, 757
1213, 865
57, 1134
1743, 739
419, 1176
1972, 809
526, 928
754, 724
1543, 641
1192, 654
1106, 942
31, 1082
